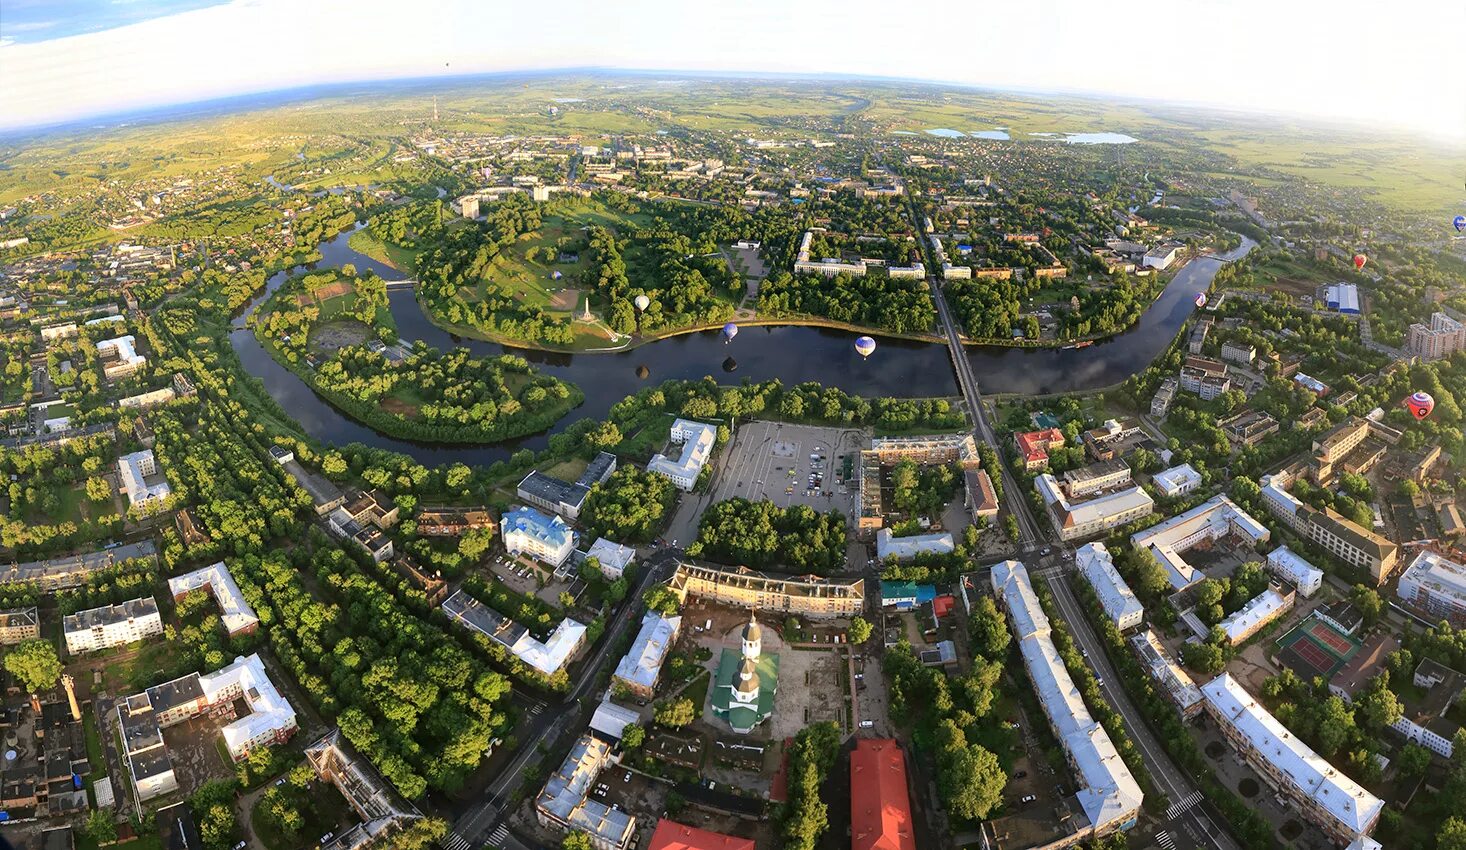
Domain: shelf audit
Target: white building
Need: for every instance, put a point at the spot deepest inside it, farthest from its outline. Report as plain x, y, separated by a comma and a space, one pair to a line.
640, 668
1212, 520
120, 356
697, 439
1176, 682
1436, 586
613, 557
1109, 796
546, 539
270, 719
1287, 564
235, 612
1161, 256
1177, 481
133, 470
112, 625
892, 548
1258, 612
1119, 602
547, 657
1321, 793
1086, 519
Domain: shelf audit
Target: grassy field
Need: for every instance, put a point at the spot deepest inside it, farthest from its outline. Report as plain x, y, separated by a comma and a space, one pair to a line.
531, 280
402, 259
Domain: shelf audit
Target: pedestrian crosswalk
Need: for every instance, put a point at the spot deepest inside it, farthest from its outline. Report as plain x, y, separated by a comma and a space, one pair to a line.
1184, 805
496, 838
454, 841
535, 708
1165, 840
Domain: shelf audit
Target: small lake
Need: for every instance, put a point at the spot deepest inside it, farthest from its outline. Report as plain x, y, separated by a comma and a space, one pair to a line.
790, 353
998, 134
1099, 139
947, 133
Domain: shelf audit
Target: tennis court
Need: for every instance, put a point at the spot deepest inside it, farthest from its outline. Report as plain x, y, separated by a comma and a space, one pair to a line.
1314, 648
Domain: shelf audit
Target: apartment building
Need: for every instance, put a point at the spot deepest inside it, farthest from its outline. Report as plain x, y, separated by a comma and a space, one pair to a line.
641, 667
1436, 587
1440, 339
1175, 681
1076, 520
19, 624
133, 471
810, 596
1292, 567
697, 440
1160, 403
1316, 789
1215, 519
1115, 596
1342, 537
112, 625
546, 539
1104, 443
1034, 446
566, 803
1260, 610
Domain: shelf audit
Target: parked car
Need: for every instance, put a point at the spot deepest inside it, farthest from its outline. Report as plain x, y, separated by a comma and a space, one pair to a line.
867, 724
1027, 798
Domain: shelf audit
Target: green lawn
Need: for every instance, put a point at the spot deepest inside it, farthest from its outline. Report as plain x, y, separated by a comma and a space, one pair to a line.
396, 256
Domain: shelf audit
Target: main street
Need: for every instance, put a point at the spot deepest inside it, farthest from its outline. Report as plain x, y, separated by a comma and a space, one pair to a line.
1188, 813
546, 723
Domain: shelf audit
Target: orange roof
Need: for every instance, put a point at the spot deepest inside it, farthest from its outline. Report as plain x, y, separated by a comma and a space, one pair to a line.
1035, 444
671, 835
880, 809
943, 605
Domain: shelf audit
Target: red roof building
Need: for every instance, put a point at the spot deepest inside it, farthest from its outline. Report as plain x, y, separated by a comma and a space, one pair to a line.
880, 809
671, 835
943, 605
1035, 445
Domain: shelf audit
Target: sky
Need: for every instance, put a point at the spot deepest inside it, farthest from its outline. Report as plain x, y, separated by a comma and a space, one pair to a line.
1391, 65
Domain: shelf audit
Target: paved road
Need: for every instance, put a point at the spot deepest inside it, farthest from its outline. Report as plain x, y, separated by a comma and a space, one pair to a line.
481, 822
1188, 815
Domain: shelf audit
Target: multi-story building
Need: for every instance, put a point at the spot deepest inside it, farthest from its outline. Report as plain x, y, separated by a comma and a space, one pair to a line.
119, 357
566, 804
1160, 403
810, 596
927, 449
237, 616
1342, 537
1260, 610
548, 656
19, 624
546, 539
697, 439
1076, 520
1436, 587
1109, 796
134, 470
880, 804
379, 808
1177, 481
641, 667
1289, 565
1088, 480
1214, 519
112, 625
1177, 684
981, 497
564, 497
1104, 443
148, 764
1425, 722
1248, 428
1239, 352
1121, 606
1034, 446
1199, 333
892, 548
1442, 338
612, 557
1321, 793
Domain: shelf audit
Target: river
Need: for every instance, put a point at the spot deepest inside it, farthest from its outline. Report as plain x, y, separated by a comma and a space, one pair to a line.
790, 353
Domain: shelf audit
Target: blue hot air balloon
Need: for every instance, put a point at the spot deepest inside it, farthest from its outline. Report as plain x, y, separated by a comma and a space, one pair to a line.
1460, 222
1201, 299
864, 346
730, 330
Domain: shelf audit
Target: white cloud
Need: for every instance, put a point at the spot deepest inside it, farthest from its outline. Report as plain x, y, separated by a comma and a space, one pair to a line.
1389, 64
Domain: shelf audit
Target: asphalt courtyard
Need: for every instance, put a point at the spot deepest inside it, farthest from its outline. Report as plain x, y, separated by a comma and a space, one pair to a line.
761, 459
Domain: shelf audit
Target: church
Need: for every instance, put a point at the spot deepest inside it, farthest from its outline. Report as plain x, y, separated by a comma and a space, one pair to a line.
743, 691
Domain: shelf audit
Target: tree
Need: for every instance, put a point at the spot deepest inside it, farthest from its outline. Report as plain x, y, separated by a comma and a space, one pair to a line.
859, 631
990, 637
633, 736
1413, 760
576, 840
1203, 657
35, 664
677, 713
1369, 603
97, 489
661, 599
1452, 835
1378, 704
1335, 726
100, 827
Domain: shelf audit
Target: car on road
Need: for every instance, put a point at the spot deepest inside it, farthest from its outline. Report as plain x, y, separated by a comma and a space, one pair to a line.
1020, 774
867, 724
1027, 798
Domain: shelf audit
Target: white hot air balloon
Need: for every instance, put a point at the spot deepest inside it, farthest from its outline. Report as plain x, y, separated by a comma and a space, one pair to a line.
642, 302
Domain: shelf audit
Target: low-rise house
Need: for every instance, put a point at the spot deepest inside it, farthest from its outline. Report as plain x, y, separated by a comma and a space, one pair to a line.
566, 498
892, 548
1034, 446
1177, 481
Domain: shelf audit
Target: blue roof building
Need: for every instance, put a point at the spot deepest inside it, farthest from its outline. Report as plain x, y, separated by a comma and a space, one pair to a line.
904, 595
546, 539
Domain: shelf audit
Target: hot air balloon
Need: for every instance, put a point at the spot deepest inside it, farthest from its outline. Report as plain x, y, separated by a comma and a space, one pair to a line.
864, 346
730, 365
1460, 223
641, 302
1359, 261
1420, 404
1201, 299
730, 330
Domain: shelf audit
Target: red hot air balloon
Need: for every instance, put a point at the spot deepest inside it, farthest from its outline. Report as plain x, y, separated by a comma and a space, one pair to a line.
1420, 404
1359, 261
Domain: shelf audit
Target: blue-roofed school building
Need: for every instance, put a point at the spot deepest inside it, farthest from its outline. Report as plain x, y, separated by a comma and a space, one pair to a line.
546, 539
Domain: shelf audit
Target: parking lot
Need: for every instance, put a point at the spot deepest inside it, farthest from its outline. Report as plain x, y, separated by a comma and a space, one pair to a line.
789, 465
